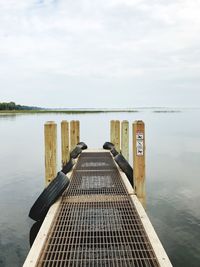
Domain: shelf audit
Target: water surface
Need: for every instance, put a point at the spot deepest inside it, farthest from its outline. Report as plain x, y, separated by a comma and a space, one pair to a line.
173, 182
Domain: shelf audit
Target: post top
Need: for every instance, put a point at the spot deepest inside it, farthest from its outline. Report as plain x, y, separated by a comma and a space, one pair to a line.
50, 122
139, 122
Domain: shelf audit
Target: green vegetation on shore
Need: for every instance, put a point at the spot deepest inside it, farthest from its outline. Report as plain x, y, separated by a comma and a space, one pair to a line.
42, 111
11, 106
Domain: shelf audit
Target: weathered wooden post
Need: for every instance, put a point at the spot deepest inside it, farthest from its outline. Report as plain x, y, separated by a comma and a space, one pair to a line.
50, 135
125, 139
65, 141
74, 134
112, 131
117, 135
77, 132
139, 160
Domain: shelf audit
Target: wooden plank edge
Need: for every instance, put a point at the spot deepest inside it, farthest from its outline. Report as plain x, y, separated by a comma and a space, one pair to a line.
93, 150
35, 251
38, 245
126, 182
160, 253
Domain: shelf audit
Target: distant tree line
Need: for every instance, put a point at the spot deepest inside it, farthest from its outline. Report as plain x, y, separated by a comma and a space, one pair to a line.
13, 106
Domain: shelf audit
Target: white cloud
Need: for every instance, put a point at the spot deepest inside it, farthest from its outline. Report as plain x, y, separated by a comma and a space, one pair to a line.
124, 40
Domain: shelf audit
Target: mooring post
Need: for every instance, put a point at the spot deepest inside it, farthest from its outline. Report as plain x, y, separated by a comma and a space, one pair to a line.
112, 131
65, 141
117, 135
50, 135
125, 139
72, 134
139, 160
77, 131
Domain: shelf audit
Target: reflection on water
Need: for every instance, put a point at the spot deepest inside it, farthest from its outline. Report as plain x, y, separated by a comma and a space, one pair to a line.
6, 116
173, 153
177, 223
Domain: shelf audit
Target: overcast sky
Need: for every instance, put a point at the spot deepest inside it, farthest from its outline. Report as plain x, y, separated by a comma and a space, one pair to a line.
100, 53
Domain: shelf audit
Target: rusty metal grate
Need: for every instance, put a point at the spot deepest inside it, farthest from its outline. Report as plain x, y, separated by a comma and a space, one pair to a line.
98, 234
96, 182
95, 154
95, 163
97, 223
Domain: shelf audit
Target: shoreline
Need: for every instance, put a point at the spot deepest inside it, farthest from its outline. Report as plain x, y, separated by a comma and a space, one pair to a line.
77, 111
63, 111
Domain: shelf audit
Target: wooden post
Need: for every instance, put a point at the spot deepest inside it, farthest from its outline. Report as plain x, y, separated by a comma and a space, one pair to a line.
65, 142
139, 160
125, 139
77, 132
112, 131
50, 135
115, 134
72, 135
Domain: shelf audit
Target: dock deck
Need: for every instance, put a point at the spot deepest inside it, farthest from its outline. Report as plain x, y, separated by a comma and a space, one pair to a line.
98, 221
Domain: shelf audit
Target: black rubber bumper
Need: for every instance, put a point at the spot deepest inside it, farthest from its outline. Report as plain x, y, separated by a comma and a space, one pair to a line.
108, 145
82, 145
49, 195
114, 152
125, 167
68, 166
76, 152
34, 231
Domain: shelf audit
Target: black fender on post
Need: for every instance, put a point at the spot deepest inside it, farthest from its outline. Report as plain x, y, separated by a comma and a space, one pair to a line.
125, 167
108, 145
114, 152
49, 195
75, 152
68, 166
82, 145
55, 189
34, 231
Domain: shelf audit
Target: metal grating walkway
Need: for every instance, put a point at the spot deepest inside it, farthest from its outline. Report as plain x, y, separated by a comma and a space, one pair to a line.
95, 161
96, 182
97, 224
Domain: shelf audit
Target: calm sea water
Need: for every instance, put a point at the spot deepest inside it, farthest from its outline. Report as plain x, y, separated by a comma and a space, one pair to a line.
173, 177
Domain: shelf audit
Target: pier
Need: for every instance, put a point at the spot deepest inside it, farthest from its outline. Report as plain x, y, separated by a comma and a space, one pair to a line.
100, 219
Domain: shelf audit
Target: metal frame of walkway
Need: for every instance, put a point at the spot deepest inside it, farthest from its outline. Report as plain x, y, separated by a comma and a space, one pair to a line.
98, 221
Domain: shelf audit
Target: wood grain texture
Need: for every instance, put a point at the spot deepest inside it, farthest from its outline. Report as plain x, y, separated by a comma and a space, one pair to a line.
72, 134
65, 141
125, 139
50, 136
112, 131
117, 135
77, 132
139, 162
